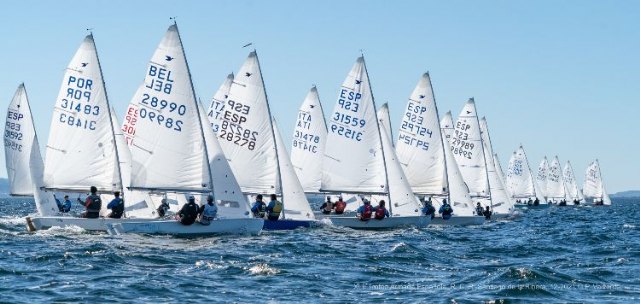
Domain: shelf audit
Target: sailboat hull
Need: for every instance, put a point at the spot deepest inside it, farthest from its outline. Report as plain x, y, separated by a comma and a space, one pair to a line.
459, 221
288, 224
249, 226
387, 223
98, 224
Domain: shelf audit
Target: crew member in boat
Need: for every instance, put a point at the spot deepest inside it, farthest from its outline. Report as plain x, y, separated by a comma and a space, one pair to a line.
365, 211
445, 210
65, 206
529, 202
479, 210
487, 213
274, 208
536, 202
327, 206
208, 211
381, 212
576, 202
428, 209
259, 208
189, 212
340, 206
92, 204
116, 206
163, 208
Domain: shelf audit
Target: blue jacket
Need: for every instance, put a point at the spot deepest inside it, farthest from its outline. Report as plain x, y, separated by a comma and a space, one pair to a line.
429, 210
114, 203
256, 206
447, 215
66, 206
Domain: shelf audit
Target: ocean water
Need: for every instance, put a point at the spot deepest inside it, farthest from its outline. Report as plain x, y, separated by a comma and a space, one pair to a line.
559, 254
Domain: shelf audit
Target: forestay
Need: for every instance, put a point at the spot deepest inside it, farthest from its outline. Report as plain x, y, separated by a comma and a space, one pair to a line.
245, 131
308, 144
420, 146
555, 183
168, 151
353, 159
19, 137
296, 206
81, 150
467, 147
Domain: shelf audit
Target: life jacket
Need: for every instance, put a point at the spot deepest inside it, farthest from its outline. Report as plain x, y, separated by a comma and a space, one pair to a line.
479, 211
94, 206
328, 206
380, 212
118, 210
275, 211
162, 209
262, 209
340, 205
446, 209
208, 214
189, 214
366, 213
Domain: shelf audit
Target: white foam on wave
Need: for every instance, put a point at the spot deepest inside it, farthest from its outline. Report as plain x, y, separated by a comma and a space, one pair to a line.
57, 230
631, 226
399, 246
208, 264
263, 269
13, 220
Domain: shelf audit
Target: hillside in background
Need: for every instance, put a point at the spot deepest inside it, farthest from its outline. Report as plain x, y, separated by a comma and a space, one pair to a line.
627, 194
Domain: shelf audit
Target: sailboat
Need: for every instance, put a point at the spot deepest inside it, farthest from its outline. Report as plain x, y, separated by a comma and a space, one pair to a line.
501, 204
426, 158
573, 192
359, 157
174, 151
81, 150
22, 154
522, 184
542, 177
556, 189
594, 186
256, 154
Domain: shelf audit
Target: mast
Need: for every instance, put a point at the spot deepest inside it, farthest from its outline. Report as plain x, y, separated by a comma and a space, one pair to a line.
484, 156
384, 159
113, 131
197, 109
601, 181
442, 140
273, 134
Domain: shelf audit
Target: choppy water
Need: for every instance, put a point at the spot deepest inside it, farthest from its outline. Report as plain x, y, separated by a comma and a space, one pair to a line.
554, 255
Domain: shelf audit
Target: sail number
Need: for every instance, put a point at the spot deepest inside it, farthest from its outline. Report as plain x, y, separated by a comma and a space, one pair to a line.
76, 104
238, 135
129, 125
215, 109
231, 129
12, 131
161, 80
302, 138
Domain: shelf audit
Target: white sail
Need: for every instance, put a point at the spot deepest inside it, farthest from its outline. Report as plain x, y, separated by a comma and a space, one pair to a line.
45, 202
167, 151
296, 206
500, 200
496, 161
606, 200
542, 176
384, 119
420, 143
458, 190
519, 178
570, 182
81, 150
467, 147
246, 134
309, 138
353, 159
217, 108
555, 183
231, 202
19, 136
593, 185
401, 200
446, 124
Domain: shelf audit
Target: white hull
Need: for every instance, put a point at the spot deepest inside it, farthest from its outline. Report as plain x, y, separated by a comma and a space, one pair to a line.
503, 216
459, 220
98, 224
171, 227
387, 223
320, 215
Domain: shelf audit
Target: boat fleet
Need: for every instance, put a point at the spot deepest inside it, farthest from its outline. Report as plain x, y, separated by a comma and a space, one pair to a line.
169, 146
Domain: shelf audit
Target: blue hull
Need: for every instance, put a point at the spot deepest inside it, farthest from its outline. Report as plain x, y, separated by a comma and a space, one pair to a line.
286, 224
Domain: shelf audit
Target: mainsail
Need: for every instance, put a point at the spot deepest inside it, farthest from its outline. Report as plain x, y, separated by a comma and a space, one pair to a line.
384, 119
555, 183
573, 192
500, 200
19, 137
593, 185
81, 151
353, 159
467, 147
542, 177
519, 177
309, 138
217, 107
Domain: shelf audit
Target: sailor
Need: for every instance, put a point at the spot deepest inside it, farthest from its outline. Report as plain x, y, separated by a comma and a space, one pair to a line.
529, 202
536, 202
487, 213
562, 203
208, 211
428, 209
65, 206
381, 212
163, 208
189, 212
340, 206
327, 206
364, 212
274, 208
92, 204
445, 210
116, 205
479, 210
58, 203
259, 208
576, 202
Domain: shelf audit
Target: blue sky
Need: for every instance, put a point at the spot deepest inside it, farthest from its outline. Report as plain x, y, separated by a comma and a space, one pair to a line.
560, 77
